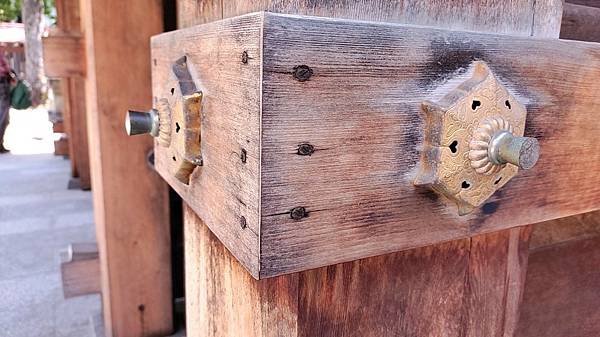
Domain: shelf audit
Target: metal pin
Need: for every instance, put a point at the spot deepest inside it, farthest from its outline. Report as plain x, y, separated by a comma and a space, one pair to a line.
137, 123
520, 151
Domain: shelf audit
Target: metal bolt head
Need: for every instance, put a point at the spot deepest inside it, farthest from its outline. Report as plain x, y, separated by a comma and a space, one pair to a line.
520, 151
137, 123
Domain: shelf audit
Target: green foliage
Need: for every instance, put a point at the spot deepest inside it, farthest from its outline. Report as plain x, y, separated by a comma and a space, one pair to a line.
10, 10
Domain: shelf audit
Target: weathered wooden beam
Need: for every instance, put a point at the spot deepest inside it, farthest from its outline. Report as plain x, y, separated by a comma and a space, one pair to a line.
80, 270
130, 200
521, 17
580, 23
63, 54
461, 288
361, 114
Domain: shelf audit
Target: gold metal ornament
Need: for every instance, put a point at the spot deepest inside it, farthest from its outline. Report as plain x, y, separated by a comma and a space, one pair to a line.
474, 142
175, 123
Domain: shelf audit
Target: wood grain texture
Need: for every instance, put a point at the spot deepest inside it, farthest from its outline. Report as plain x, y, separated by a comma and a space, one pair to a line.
590, 3
224, 189
562, 291
78, 136
361, 111
563, 230
580, 23
130, 200
73, 90
222, 299
459, 288
514, 17
80, 270
63, 55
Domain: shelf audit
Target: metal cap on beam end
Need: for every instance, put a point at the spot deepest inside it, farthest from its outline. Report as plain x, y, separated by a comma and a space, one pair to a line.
523, 152
137, 123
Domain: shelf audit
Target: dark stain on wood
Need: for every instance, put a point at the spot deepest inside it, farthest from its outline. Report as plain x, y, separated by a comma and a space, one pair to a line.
490, 207
448, 57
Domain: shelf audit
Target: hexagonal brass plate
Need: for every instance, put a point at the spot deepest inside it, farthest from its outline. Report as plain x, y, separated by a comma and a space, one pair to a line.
450, 127
184, 147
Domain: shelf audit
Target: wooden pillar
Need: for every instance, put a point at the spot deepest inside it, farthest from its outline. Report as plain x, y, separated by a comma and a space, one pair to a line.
130, 200
73, 90
470, 287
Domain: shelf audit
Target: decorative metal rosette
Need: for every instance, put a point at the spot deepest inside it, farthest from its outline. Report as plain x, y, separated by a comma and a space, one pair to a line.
479, 145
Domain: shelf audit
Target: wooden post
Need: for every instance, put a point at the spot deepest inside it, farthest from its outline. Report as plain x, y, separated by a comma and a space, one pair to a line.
72, 82
130, 200
469, 287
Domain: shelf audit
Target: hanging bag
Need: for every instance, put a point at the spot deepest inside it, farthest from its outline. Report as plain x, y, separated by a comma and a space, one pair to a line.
20, 96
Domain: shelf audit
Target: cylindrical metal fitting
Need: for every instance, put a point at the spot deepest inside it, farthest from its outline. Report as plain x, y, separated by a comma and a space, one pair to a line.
520, 151
137, 123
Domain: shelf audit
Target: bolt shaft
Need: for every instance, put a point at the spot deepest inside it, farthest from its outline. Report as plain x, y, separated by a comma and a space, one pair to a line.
520, 151
137, 123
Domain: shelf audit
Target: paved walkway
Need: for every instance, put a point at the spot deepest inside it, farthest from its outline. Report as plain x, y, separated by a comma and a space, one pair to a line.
38, 218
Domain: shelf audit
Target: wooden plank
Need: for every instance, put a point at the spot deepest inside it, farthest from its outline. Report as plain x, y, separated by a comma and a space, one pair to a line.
558, 231
80, 270
562, 291
445, 290
61, 146
130, 200
589, 3
515, 17
78, 130
580, 23
81, 277
231, 124
361, 112
63, 54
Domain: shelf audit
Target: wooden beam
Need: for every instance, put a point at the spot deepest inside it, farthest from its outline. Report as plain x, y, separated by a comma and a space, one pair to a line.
80, 270
63, 55
130, 200
448, 289
522, 17
361, 111
580, 23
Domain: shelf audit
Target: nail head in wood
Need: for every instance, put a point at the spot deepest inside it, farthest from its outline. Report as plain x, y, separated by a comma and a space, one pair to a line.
245, 57
298, 213
306, 149
243, 156
302, 72
243, 222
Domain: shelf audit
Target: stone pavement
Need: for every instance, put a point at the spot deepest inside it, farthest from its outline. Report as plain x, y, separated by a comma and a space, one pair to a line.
38, 218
